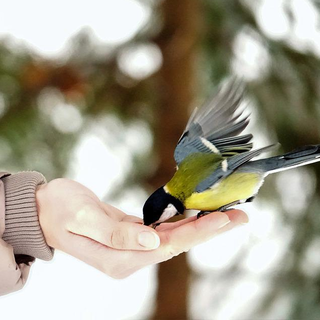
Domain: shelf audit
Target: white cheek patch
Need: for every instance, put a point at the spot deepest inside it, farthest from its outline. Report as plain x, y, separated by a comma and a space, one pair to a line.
168, 212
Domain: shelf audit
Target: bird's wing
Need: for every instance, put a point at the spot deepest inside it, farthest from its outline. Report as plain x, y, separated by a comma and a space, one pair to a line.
216, 125
228, 166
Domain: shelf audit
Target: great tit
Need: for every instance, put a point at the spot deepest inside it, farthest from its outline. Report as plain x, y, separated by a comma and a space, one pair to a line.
215, 169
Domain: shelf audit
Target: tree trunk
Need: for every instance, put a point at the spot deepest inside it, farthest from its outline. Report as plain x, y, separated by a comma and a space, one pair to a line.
176, 82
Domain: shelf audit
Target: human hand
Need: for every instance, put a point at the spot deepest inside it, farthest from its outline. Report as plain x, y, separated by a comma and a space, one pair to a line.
176, 238
75, 221
13, 275
67, 210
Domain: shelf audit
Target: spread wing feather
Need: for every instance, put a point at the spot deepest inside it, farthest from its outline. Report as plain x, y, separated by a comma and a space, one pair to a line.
215, 126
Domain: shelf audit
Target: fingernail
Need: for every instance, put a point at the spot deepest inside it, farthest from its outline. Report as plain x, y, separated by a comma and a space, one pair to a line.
149, 240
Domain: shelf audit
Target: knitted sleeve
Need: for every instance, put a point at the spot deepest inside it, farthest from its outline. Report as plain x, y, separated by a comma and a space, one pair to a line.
22, 229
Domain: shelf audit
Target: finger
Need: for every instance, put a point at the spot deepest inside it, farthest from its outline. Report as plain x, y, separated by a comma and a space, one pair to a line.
25, 269
96, 224
130, 218
168, 250
237, 217
234, 215
115, 263
139, 259
194, 232
119, 215
197, 231
133, 236
172, 225
113, 212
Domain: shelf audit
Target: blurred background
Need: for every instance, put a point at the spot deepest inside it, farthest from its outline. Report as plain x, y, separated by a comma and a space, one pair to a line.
100, 91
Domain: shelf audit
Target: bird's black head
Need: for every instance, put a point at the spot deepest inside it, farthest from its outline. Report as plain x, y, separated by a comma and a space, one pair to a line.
161, 206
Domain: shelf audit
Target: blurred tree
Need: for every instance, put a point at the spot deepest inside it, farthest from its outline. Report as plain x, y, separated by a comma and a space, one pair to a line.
176, 81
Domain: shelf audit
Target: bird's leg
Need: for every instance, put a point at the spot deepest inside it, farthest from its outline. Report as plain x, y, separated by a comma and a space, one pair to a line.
221, 209
227, 206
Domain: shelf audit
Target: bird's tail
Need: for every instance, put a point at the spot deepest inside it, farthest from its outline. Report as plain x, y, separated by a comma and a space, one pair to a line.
296, 158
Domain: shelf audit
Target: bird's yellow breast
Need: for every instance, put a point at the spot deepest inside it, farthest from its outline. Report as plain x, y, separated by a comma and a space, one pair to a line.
237, 186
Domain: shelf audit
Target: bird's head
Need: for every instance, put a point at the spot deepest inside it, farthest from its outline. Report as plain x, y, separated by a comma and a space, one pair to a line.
161, 206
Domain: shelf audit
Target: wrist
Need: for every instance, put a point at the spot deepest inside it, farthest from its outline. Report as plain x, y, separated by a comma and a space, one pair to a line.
42, 208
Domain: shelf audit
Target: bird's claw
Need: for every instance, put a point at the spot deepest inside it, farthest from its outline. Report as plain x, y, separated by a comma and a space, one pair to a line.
221, 209
202, 214
227, 206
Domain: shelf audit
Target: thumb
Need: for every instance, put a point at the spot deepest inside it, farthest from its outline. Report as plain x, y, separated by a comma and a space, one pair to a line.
129, 235
25, 269
94, 223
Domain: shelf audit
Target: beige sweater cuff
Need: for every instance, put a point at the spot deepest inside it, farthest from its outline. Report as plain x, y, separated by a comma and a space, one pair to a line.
22, 228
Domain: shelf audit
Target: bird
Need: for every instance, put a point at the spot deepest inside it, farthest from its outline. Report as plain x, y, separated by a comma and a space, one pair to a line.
215, 168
